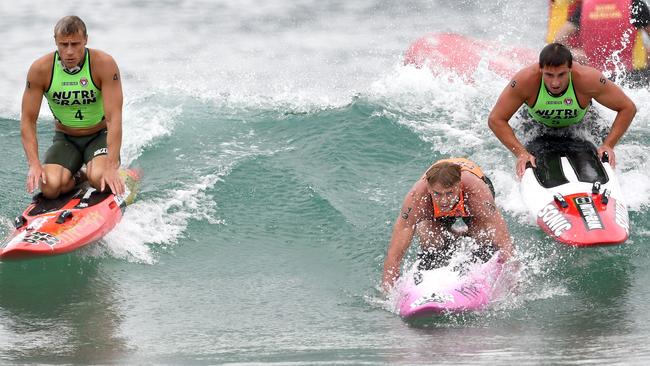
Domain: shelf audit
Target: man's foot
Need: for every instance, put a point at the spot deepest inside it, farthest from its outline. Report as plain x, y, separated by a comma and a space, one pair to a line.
37, 197
79, 177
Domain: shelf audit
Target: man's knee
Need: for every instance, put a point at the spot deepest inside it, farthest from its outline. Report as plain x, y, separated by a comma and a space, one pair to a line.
95, 173
50, 192
95, 177
57, 180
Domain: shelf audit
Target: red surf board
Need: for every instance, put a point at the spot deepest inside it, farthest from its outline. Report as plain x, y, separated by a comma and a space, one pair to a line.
450, 52
572, 194
587, 220
80, 217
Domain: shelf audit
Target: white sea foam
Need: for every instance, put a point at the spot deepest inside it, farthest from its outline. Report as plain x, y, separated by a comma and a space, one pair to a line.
143, 126
161, 222
6, 226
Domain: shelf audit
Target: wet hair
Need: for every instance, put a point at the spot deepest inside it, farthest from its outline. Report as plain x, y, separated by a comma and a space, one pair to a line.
69, 25
444, 173
555, 54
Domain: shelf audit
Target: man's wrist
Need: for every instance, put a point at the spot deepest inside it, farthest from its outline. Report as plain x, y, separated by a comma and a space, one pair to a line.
113, 163
520, 152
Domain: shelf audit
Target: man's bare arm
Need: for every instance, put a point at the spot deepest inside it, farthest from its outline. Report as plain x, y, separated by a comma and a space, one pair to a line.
488, 225
403, 232
510, 100
31, 105
612, 96
113, 101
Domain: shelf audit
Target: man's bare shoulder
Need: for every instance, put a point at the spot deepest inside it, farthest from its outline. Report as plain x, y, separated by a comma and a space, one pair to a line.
524, 83
101, 60
419, 189
416, 201
99, 55
104, 68
474, 185
529, 73
528, 77
587, 79
480, 201
39, 74
43, 65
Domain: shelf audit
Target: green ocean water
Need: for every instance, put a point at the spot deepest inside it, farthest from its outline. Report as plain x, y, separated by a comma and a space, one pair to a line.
272, 177
281, 253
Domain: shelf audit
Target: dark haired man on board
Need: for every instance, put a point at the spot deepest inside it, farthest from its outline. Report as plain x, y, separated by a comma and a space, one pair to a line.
450, 189
558, 93
83, 89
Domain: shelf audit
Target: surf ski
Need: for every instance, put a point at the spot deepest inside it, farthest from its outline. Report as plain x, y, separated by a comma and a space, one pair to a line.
431, 292
73, 220
573, 195
461, 55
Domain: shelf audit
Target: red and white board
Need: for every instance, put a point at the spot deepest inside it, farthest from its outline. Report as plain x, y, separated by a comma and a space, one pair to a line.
80, 217
572, 195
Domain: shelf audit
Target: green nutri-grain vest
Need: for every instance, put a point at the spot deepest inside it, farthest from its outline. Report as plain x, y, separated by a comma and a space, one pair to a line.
74, 98
557, 111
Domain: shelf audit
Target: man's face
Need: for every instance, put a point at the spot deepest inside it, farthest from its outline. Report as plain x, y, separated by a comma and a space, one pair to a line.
71, 48
445, 197
556, 78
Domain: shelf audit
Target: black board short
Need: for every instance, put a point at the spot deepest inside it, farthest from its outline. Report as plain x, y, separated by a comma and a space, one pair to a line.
581, 154
72, 152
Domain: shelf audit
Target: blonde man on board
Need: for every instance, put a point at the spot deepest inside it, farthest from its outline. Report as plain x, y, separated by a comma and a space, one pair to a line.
449, 190
84, 92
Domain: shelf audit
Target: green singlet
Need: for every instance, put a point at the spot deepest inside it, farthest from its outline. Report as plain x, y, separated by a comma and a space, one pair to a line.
561, 111
74, 98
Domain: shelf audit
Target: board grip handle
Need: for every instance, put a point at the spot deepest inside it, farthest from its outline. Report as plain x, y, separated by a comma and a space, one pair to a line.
63, 216
605, 158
